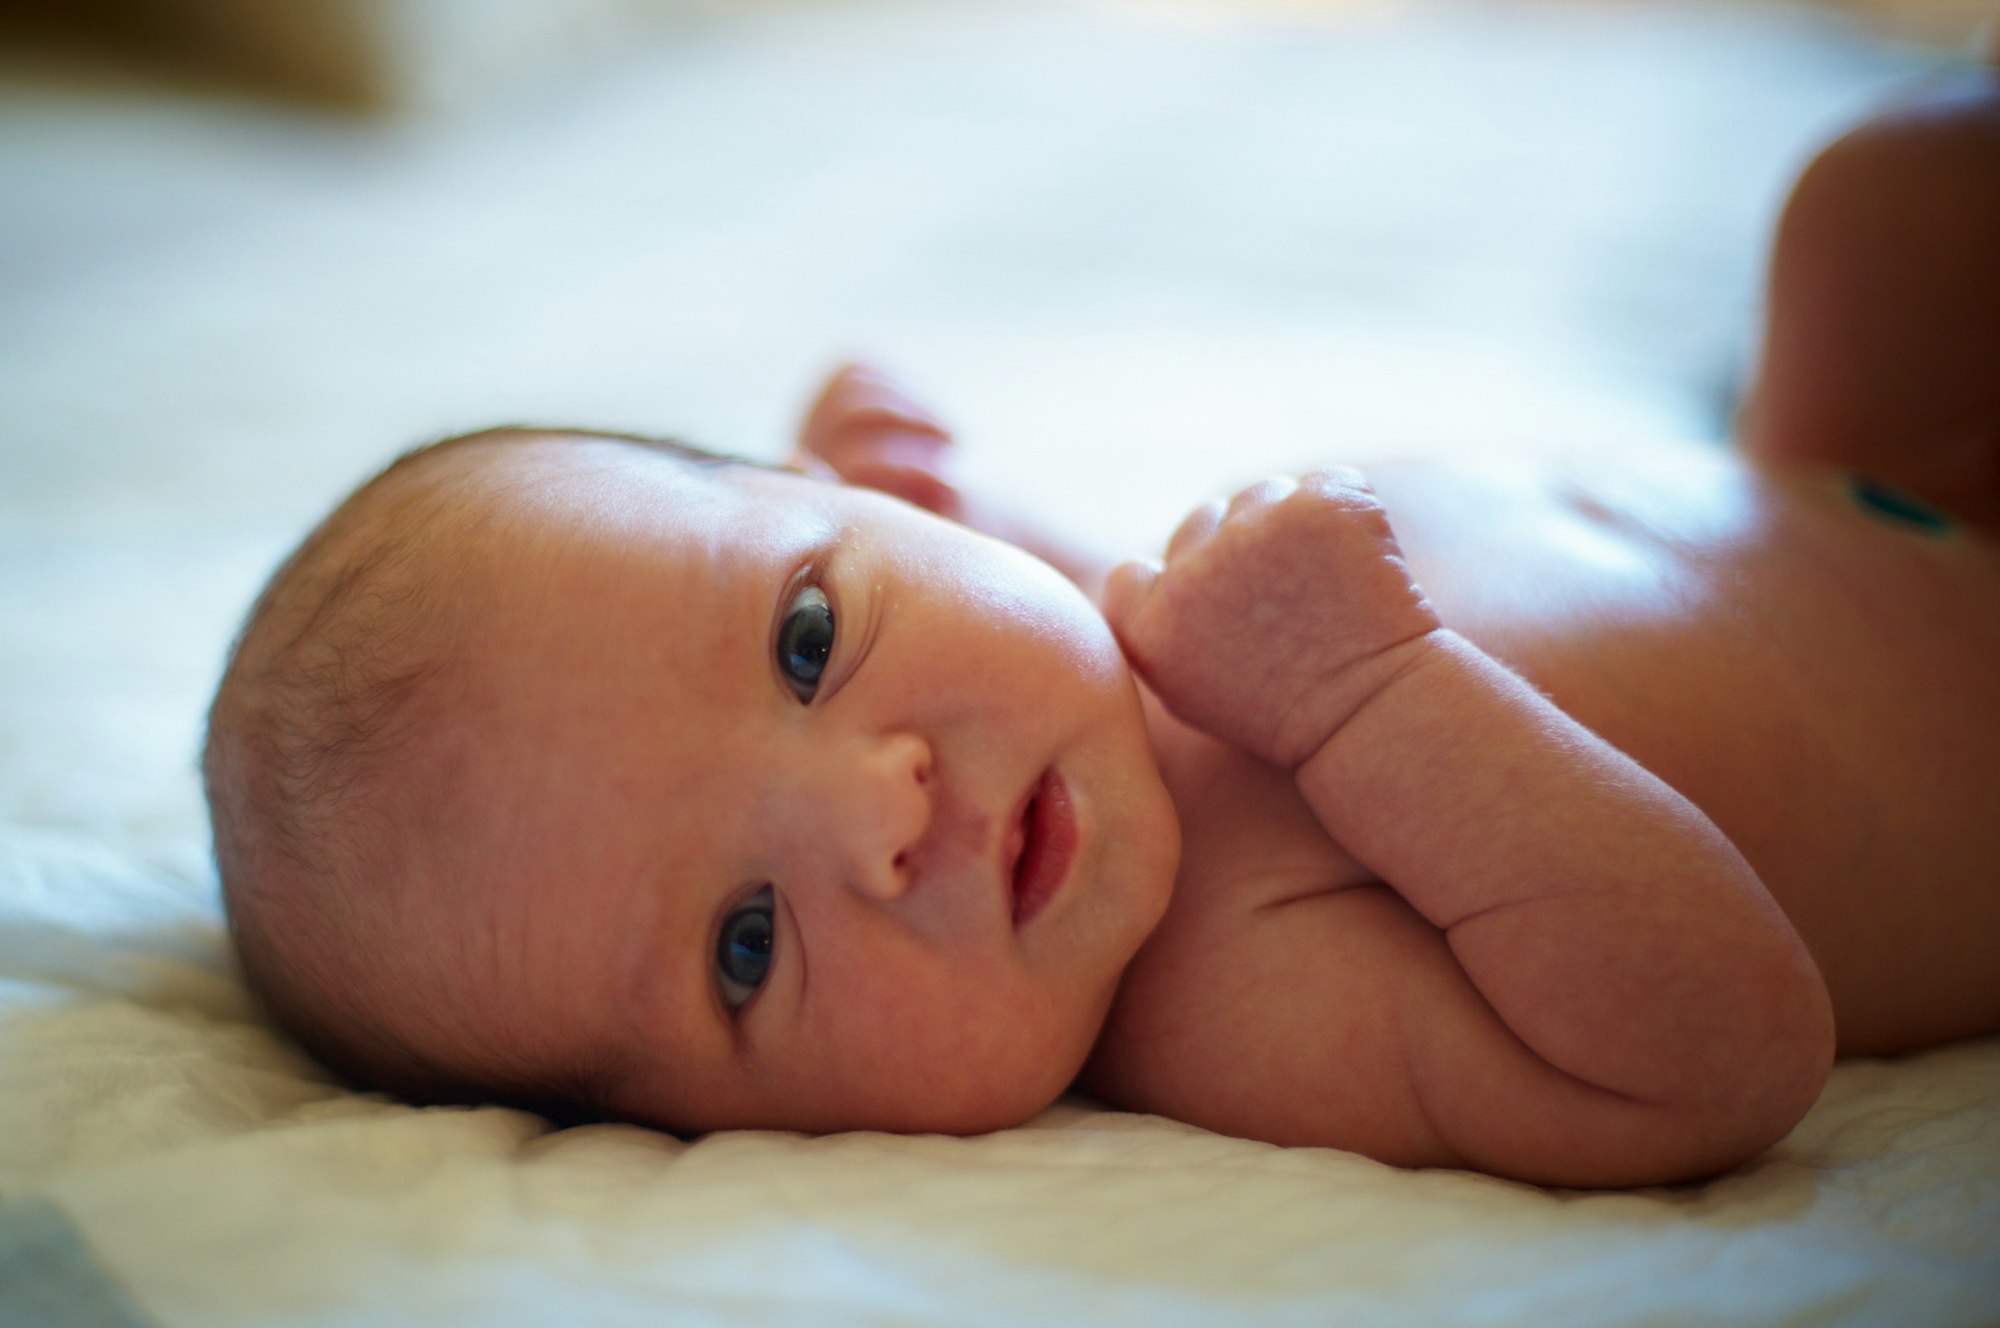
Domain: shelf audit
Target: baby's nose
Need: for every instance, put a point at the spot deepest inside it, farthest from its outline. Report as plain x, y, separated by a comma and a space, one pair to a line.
885, 812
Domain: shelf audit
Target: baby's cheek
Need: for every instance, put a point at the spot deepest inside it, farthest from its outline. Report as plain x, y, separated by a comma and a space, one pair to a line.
998, 1015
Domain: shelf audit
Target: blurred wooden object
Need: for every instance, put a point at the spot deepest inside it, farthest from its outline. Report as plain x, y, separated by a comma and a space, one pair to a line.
364, 54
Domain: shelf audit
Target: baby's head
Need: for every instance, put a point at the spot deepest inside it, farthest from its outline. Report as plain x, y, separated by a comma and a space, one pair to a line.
584, 770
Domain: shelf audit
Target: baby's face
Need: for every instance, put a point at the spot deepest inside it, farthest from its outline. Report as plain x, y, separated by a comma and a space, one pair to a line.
823, 812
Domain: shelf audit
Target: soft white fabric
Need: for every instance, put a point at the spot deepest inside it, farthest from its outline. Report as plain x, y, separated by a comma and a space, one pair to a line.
223, 1180
1137, 256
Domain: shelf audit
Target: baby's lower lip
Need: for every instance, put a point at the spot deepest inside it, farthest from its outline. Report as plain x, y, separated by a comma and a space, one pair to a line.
1048, 849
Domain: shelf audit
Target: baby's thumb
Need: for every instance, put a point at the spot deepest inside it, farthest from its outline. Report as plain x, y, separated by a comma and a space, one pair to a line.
1124, 591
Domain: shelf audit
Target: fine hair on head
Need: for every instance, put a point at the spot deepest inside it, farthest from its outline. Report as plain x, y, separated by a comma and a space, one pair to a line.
329, 763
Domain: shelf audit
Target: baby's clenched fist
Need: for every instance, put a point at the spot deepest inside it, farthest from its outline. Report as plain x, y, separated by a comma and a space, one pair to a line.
1276, 616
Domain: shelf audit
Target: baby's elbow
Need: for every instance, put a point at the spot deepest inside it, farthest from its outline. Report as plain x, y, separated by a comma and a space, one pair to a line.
1740, 1085
1803, 1043
1733, 1123
1776, 1069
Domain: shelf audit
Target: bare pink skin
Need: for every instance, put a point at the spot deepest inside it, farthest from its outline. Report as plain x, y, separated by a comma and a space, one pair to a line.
1610, 928
1561, 818
1555, 930
1607, 927
649, 768
1882, 348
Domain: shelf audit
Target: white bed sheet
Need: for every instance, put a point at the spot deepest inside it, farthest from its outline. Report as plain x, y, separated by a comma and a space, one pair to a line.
1140, 255
219, 1178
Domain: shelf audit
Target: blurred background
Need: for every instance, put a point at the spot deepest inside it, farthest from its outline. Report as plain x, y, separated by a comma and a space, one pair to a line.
395, 54
1137, 249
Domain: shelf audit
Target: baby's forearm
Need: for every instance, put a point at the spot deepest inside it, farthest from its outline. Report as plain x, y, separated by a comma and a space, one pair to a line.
1605, 919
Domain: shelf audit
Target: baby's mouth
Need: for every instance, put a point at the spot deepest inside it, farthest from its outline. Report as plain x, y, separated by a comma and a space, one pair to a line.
1047, 839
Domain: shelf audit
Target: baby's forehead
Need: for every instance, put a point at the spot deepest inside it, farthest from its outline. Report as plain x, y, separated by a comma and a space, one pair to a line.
554, 524
553, 476
613, 590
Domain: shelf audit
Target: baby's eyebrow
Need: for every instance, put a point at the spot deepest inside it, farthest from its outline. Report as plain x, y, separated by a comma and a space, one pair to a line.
677, 448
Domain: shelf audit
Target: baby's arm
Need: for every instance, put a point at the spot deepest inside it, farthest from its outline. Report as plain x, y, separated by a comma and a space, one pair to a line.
1599, 990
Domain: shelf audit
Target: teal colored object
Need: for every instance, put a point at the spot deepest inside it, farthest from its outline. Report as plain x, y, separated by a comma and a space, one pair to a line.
1900, 508
50, 1279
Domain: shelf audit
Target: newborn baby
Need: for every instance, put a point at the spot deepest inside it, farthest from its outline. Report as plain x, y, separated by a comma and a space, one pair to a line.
1558, 819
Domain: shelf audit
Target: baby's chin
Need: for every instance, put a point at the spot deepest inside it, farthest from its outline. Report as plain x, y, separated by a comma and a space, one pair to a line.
915, 1111
1004, 1113
1006, 1099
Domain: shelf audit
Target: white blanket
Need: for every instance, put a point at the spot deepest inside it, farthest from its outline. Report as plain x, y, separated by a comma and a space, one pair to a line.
1138, 254
219, 1178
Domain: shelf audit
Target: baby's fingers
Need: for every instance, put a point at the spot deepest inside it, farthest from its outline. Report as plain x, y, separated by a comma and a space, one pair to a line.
1268, 494
1195, 529
864, 413
1201, 524
1125, 592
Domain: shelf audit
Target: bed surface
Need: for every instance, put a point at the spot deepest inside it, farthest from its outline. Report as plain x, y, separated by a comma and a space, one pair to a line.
1135, 250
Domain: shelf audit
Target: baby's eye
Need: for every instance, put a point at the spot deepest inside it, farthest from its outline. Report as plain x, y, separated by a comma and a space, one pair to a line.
743, 950
805, 640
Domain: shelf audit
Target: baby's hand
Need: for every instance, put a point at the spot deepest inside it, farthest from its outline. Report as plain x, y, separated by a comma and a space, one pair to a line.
1274, 618
866, 430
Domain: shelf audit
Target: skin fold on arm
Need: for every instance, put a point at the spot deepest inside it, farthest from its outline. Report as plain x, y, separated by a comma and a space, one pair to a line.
1613, 998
